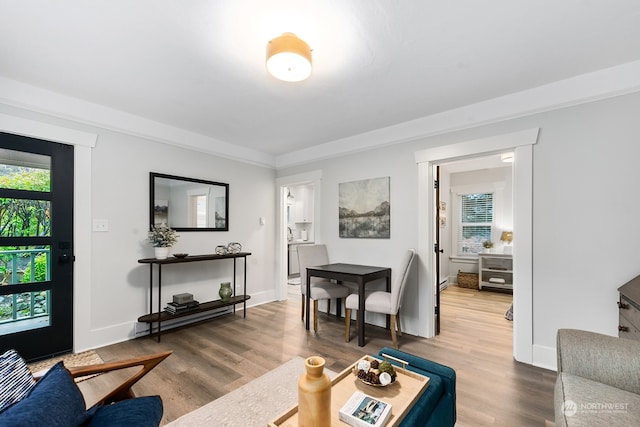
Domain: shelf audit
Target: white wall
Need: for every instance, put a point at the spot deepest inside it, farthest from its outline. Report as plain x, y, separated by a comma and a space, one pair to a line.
585, 240
118, 286
584, 218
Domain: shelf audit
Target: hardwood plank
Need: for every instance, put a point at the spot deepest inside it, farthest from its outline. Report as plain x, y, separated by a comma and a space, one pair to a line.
215, 357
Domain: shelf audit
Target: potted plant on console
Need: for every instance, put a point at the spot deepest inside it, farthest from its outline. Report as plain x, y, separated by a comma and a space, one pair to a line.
162, 238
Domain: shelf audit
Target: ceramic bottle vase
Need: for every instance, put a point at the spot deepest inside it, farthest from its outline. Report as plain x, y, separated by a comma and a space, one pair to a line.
314, 395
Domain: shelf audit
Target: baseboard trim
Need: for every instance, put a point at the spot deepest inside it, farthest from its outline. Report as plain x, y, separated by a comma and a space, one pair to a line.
545, 357
114, 334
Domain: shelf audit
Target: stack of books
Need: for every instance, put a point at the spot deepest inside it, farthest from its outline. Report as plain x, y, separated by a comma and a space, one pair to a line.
175, 308
365, 411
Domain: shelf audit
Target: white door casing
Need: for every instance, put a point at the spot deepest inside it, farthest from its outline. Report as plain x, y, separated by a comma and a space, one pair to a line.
522, 144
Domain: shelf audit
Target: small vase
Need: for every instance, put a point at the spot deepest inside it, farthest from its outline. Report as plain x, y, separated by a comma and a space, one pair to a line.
314, 395
225, 291
161, 252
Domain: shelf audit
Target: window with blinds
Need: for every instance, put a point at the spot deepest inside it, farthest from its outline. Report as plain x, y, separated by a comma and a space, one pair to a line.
476, 219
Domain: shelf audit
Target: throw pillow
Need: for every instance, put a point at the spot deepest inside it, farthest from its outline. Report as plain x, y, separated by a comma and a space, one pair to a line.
55, 401
16, 377
139, 412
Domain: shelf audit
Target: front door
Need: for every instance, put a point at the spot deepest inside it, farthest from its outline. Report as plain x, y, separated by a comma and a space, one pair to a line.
36, 246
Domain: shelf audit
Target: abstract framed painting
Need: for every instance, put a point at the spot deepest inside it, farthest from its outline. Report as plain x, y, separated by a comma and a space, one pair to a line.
364, 209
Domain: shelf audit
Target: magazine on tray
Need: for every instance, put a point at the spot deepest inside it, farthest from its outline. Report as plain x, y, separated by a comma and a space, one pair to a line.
365, 411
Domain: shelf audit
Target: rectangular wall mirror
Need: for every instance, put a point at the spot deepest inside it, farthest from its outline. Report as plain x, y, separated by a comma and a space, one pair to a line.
188, 204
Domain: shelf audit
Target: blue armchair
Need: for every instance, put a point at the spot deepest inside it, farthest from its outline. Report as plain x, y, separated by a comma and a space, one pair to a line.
55, 400
436, 407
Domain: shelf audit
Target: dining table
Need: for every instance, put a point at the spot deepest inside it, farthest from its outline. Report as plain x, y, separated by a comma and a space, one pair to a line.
359, 274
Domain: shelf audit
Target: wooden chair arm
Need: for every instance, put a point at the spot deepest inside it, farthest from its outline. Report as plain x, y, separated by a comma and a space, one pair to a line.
123, 391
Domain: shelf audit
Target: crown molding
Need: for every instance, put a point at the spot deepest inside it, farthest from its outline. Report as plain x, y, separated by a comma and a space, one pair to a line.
610, 82
32, 98
607, 83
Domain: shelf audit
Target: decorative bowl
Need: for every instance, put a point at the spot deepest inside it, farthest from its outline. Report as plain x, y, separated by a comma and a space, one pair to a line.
358, 371
180, 255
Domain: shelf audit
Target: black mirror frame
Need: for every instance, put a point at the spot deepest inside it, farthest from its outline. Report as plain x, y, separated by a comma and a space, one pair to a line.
152, 198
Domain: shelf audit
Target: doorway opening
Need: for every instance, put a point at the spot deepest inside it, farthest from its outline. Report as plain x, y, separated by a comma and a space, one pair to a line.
299, 224
474, 233
520, 143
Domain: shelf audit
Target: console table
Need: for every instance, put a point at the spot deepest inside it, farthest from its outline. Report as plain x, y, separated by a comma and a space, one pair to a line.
162, 316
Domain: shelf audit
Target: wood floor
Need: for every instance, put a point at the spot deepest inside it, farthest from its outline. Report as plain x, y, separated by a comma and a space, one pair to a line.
215, 357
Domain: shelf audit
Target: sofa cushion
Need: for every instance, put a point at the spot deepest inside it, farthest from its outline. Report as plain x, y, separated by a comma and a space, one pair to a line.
54, 401
139, 412
583, 402
17, 379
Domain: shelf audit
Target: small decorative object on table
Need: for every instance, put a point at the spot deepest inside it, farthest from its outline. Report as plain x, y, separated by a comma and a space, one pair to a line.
221, 250
314, 394
225, 291
162, 238
374, 372
180, 255
364, 411
234, 248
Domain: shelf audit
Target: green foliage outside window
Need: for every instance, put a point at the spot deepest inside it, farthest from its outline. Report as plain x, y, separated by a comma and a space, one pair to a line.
40, 267
24, 217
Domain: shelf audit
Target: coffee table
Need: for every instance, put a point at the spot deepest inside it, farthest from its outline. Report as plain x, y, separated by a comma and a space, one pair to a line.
402, 394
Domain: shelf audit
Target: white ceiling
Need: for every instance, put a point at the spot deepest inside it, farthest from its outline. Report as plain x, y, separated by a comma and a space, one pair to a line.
192, 72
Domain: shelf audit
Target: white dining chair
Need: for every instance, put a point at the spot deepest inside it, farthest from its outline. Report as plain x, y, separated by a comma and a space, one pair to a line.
311, 256
382, 301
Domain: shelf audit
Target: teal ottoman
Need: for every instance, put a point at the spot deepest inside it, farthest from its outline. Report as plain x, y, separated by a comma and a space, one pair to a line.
436, 406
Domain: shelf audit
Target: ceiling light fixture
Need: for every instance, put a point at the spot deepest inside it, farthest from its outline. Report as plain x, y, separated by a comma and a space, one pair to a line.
288, 58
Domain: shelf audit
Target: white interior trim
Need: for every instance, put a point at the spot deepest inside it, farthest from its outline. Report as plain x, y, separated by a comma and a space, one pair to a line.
33, 129
33, 98
83, 142
601, 84
590, 87
521, 142
282, 254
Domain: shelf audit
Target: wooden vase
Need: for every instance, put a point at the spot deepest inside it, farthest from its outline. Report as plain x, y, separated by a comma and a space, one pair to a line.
314, 395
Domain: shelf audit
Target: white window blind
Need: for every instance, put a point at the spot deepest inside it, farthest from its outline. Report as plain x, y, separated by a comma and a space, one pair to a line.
476, 219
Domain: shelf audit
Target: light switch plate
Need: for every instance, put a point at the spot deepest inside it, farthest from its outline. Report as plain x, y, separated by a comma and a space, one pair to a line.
101, 225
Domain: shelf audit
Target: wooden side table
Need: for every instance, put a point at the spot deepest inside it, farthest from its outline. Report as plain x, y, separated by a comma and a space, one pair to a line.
402, 394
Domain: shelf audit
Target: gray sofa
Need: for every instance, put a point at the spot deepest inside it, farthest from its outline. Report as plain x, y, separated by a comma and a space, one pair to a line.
598, 382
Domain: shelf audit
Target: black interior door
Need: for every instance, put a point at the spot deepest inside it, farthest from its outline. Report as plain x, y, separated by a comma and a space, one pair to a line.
437, 250
36, 246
